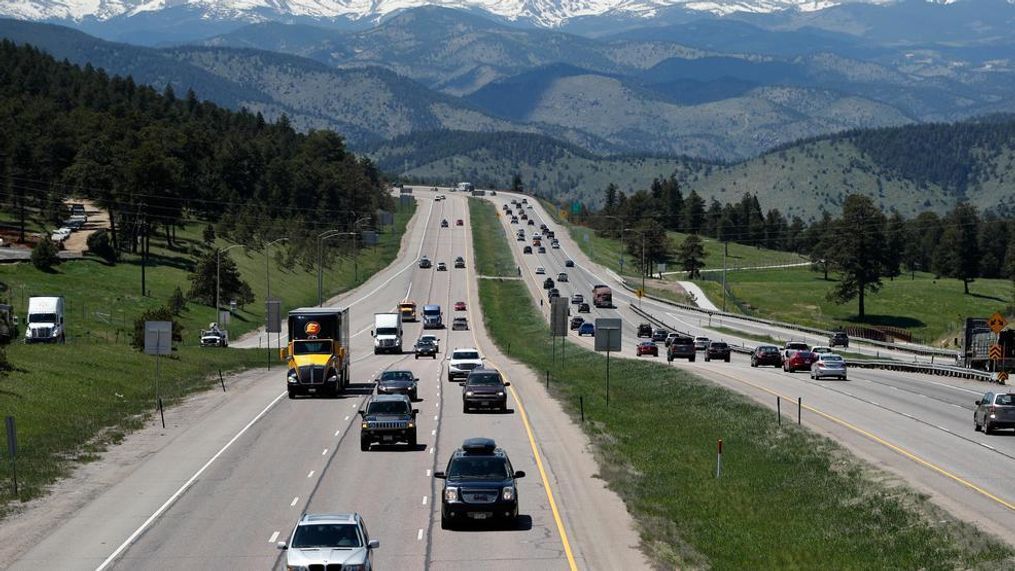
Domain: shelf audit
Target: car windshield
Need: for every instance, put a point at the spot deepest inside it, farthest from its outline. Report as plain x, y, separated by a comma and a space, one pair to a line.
768, 349
1005, 400
339, 535
429, 339
387, 331
431, 311
718, 345
425, 343
311, 347
798, 346
479, 468
42, 318
466, 355
388, 407
484, 379
397, 376
832, 359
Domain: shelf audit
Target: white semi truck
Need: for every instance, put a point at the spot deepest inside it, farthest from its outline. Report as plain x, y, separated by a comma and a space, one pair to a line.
45, 320
387, 333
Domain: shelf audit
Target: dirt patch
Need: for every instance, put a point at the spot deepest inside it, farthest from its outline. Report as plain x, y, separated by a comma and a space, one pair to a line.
98, 219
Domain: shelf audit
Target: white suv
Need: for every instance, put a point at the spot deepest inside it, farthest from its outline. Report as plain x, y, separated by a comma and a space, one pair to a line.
330, 541
462, 361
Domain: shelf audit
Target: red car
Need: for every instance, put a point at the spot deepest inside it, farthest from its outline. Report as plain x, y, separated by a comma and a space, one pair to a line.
459, 306
459, 222
647, 348
800, 360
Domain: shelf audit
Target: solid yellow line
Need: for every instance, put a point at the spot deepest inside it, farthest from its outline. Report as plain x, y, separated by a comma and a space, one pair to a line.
528, 429
885, 443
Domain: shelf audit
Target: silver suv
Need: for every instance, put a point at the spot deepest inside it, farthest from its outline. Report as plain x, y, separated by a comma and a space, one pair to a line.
993, 411
330, 541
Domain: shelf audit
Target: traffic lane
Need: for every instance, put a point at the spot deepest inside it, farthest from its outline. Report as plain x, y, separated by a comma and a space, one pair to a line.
210, 521
533, 542
953, 471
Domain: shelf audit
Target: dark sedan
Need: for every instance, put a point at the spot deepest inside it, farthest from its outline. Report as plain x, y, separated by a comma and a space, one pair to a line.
398, 383
717, 350
766, 355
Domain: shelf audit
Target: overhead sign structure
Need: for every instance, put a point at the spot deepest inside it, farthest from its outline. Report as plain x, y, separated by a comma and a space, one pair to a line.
995, 353
997, 322
559, 309
158, 337
608, 334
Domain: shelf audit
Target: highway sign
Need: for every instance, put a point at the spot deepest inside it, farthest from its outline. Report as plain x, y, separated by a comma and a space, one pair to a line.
273, 318
997, 322
607, 334
158, 337
558, 316
995, 352
640, 293
576, 207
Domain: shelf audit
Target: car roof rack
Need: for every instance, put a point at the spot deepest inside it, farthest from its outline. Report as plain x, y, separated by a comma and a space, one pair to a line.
479, 445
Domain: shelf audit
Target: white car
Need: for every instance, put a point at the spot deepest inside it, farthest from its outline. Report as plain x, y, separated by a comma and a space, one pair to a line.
701, 343
821, 349
61, 234
540, 271
330, 541
462, 361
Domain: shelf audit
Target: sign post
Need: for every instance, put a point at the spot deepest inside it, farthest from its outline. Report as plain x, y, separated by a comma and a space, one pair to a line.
12, 450
608, 340
158, 341
273, 324
559, 309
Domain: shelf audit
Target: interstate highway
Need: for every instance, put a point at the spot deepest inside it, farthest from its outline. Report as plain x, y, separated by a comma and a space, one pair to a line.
234, 478
917, 426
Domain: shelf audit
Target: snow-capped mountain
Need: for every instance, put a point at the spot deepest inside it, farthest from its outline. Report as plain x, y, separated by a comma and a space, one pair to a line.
548, 13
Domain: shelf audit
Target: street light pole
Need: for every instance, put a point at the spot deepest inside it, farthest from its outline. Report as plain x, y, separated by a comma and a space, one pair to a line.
320, 263
355, 248
267, 277
218, 276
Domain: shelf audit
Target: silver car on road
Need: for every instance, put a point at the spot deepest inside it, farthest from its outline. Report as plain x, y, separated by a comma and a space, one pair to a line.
829, 365
330, 541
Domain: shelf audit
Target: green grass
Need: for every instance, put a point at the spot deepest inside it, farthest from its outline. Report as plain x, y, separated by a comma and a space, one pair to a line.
72, 400
499, 261
932, 309
787, 498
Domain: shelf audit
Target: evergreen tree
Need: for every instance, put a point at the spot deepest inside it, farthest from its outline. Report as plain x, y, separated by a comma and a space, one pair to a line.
896, 237
45, 254
692, 256
231, 284
959, 247
694, 213
858, 251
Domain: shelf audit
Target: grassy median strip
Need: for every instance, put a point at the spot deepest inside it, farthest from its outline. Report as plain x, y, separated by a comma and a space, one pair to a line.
787, 498
71, 401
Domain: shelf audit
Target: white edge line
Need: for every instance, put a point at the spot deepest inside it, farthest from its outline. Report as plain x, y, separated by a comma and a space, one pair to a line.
141, 529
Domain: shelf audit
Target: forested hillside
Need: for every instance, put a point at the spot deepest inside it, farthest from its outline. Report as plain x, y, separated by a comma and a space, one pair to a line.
154, 160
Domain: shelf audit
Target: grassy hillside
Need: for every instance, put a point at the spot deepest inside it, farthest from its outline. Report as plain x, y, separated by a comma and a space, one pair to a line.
72, 400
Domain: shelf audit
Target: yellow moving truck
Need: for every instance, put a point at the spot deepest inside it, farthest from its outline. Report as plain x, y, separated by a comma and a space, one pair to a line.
318, 351
408, 310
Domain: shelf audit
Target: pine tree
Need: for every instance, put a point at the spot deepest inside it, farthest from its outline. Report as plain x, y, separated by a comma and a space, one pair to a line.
959, 247
692, 256
858, 251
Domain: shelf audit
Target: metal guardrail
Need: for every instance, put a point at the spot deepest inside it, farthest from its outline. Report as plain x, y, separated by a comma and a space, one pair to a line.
890, 365
801, 328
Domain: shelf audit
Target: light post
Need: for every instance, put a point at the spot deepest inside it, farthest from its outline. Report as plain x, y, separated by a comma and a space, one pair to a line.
643, 269
320, 263
218, 275
355, 249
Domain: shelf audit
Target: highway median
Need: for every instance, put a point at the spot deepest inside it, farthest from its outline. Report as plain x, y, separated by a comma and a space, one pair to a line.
786, 498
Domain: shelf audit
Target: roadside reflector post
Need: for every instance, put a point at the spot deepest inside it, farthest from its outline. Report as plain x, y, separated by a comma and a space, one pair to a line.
778, 409
548, 379
12, 449
581, 407
799, 406
718, 460
162, 412
222, 381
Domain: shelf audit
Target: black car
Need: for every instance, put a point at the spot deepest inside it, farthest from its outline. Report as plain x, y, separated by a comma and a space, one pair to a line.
644, 330
717, 350
387, 419
577, 321
681, 348
484, 388
766, 355
531, 222
444, 223
426, 349
569, 264
548, 283
479, 484
660, 335
398, 383
839, 339
553, 294
424, 262
459, 262
584, 308
527, 250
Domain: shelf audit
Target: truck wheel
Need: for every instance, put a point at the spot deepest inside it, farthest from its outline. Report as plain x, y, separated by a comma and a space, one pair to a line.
465, 408
364, 444
435, 356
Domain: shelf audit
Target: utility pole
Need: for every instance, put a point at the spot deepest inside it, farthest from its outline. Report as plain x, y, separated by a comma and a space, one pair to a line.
144, 251
320, 263
267, 275
725, 247
218, 276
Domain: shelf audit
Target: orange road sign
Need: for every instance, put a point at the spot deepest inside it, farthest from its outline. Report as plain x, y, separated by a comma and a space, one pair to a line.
997, 322
994, 352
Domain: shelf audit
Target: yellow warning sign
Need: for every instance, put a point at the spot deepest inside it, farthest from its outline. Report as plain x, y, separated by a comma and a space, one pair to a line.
640, 293
997, 322
1002, 377
994, 352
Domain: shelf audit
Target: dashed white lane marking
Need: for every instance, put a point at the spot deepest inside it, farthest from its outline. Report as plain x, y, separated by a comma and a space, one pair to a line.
419, 535
323, 452
987, 446
293, 503
347, 418
428, 472
433, 432
273, 537
939, 427
311, 474
431, 449
424, 500
337, 431
956, 405
435, 417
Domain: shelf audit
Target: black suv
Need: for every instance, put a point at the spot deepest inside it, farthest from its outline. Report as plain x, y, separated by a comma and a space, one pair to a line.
717, 350
484, 388
681, 348
644, 330
459, 263
398, 383
426, 348
479, 484
387, 419
839, 338
548, 283
424, 262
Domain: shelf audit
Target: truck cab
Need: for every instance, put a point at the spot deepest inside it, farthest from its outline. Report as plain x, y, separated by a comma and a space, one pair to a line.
45, 320
318, 352
408, 310
387, 333
433, 318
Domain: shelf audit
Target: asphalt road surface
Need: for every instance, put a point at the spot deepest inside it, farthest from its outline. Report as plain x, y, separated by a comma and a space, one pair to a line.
227, 483
919, 427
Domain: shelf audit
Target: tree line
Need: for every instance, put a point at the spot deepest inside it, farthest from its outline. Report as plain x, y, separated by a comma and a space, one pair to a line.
861, 246
155, 161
